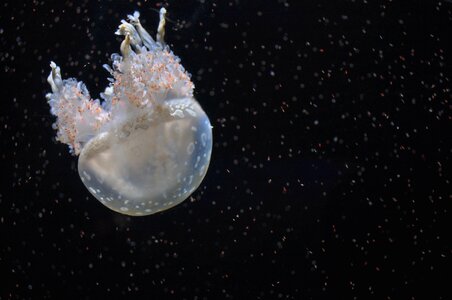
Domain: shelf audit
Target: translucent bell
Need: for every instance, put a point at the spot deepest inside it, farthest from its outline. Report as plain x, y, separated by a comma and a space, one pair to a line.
151, 166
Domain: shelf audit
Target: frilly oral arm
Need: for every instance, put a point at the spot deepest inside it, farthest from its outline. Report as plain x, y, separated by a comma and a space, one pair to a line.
78, 116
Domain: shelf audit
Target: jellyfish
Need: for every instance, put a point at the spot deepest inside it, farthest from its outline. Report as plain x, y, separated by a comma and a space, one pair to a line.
146, 146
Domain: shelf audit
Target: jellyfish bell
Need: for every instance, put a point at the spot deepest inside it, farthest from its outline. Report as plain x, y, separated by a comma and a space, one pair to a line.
150, 167
147, 146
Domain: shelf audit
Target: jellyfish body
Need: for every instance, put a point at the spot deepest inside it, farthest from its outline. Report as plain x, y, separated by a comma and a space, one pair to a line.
147, 146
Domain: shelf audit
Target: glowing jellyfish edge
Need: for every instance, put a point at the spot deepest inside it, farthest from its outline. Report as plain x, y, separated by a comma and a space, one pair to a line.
146, 147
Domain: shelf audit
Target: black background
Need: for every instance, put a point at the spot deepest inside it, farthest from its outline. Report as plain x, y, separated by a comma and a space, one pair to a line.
330, 174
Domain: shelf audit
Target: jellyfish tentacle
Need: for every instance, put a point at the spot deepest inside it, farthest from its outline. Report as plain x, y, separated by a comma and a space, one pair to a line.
54, 78
128, 29
161, 27
146, 38
125, 47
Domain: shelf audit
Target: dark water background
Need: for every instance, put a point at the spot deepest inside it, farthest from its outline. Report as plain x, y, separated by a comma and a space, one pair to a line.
329, 171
